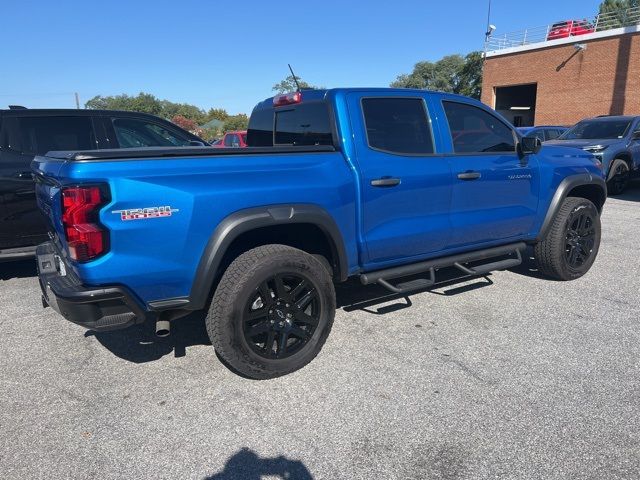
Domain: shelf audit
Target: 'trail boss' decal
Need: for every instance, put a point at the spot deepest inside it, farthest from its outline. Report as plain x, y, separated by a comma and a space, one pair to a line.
145, 213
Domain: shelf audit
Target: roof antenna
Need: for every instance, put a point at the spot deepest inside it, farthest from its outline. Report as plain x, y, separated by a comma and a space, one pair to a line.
294, 76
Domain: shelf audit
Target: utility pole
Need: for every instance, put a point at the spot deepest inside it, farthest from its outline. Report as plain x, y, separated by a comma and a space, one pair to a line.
77, 101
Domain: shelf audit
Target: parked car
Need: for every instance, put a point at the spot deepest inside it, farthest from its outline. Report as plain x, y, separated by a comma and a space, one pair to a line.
570, 28
614, 140
236, 139
543, 133
340, 183
25, 133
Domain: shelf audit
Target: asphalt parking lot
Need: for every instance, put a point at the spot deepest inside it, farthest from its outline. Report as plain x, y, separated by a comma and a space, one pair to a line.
507, 377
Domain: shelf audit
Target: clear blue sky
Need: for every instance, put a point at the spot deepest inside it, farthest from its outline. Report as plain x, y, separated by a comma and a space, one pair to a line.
229, 54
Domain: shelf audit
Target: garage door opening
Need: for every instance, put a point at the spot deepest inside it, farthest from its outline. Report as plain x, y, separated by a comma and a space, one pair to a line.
517, 104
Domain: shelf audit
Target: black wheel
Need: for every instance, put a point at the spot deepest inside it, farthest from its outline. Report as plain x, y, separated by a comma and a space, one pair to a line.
571, 244
618, 177
272, 311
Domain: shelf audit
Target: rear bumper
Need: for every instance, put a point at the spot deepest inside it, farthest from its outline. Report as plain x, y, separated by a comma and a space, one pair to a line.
96, 308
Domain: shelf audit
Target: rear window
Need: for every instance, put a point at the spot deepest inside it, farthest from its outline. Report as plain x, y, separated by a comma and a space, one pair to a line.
40, 135
304, 124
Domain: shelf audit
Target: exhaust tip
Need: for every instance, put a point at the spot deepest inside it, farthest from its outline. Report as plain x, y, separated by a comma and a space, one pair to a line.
163, 328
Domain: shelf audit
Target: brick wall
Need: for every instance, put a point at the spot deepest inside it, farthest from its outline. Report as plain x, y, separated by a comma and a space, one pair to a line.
604, 79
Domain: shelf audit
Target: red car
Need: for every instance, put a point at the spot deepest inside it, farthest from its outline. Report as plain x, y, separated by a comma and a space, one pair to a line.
569, 28
236, 139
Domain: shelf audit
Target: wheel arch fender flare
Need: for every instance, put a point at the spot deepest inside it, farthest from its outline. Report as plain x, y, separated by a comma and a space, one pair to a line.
563, 190
243, 221
622, 155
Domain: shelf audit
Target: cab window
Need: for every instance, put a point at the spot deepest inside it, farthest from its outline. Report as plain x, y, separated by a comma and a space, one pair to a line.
134, 133
474, 130
552, 134
397, 125
40, 135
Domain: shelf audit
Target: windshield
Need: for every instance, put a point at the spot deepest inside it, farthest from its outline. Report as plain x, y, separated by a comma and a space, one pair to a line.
597, 129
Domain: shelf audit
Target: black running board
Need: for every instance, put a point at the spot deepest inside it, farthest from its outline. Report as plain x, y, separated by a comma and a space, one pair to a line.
382, 277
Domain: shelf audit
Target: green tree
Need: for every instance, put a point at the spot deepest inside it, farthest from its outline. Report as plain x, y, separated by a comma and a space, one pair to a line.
217, 113
289, 85
471, 75
190, 112
147, 103
143, 102
236, 122
453, 74
208, 134
615, 13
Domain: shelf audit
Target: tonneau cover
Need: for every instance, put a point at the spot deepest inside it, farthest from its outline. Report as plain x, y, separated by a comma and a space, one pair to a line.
157, 152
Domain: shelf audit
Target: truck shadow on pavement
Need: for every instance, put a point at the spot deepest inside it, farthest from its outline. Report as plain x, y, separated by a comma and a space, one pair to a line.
247, 465
18, 269
138, 344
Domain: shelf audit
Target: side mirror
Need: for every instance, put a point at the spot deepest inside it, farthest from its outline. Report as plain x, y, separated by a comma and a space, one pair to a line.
530, 145
196, 143
635, 135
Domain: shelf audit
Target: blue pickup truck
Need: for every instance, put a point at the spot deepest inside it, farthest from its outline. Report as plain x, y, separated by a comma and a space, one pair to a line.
377, 184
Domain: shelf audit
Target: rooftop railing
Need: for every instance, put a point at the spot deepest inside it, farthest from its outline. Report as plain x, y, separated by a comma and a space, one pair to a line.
572, 29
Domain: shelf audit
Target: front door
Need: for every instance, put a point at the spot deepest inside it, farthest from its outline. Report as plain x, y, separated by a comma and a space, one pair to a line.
495, 190
405, 184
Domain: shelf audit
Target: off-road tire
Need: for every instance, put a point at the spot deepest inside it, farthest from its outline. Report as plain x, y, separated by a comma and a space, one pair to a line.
618, 177
239, 283
551, 252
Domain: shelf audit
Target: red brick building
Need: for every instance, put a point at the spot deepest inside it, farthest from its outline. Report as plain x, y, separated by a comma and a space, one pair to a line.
560, 82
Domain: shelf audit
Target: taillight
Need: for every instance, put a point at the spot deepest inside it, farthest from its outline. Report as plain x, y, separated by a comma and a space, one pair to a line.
86, 238
287, 99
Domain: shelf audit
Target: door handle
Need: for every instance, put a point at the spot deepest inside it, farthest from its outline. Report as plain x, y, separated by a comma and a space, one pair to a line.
385, 182
469, 175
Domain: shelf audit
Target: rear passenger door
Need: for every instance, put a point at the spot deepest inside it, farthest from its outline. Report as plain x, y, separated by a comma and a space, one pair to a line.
495, 190
23, 137
405, 182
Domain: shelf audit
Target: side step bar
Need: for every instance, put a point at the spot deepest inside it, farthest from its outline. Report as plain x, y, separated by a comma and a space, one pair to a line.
382, 277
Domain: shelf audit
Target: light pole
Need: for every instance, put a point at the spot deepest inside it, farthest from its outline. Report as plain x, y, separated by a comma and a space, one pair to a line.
489, 16
488, 31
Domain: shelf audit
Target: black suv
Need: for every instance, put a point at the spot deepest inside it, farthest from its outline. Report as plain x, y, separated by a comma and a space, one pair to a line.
25, 133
